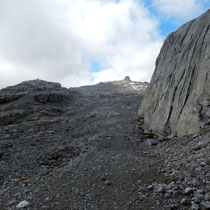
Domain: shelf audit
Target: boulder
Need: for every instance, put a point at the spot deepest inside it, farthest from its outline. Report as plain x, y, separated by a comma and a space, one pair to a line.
177, 101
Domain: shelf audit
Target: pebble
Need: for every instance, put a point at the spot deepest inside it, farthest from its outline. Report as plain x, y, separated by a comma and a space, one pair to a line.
150, 187
107, 182
167, 195
195, 207
11, 202
200, 192
152, 142
198, 198
22, 204
188, 191
185, 201
160, 188
196, 148
207, 197
203, 164
206, 204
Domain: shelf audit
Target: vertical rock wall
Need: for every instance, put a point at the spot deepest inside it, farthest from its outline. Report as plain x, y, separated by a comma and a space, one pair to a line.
177, 100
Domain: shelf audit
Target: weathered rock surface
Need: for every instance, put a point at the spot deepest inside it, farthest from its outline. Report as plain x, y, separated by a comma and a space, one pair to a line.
177, 100
32, 100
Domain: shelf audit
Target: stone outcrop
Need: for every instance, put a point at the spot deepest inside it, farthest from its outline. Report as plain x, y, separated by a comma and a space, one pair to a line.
177, 101
32, 100
127, 78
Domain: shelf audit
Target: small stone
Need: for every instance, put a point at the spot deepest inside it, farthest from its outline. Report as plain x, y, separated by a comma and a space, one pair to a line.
22, 204
206, 205
203, 164
200, 192
172, 206
150, 187
107, 182
160, 188
198, 198
185, 201
167, 195
47, 198
11, 202
207, 197
201, 143
152, 142
196, 148
188, 191
195, 207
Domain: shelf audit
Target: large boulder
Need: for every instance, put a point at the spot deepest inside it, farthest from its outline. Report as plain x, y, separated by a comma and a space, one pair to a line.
177, 101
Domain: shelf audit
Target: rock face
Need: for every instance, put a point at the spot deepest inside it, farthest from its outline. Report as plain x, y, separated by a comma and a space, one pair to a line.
177, 100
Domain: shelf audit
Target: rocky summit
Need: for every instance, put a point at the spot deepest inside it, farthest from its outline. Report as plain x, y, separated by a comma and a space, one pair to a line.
177, 101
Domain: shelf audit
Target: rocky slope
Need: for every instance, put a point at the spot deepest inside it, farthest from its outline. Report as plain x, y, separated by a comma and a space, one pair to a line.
83, 148
177, 101
73, 148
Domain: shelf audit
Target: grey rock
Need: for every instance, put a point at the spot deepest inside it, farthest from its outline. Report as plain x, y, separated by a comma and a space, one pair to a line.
185, 201
200, 192
188, 191
26, 100
207, 197
195, 207
11, 202
206, 205
152, 142
107, 182
22, 204
160, 188
172, 206
167, 195
150, 187
198, 198
203, 164
177, 99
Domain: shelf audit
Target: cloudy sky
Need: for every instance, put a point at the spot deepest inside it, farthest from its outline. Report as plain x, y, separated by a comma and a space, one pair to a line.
80, 42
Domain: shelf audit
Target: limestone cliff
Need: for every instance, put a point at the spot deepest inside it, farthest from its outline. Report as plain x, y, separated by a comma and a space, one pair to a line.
177, 100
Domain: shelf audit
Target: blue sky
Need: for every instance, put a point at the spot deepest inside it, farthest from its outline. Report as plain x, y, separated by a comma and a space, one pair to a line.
95, 67
166, 26
87, 41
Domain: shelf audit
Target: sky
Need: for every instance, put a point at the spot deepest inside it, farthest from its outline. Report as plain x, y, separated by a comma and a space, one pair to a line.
84, 42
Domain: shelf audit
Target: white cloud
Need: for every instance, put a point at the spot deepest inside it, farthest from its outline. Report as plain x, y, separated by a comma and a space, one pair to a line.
179, 9
57, 40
